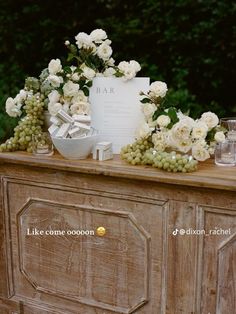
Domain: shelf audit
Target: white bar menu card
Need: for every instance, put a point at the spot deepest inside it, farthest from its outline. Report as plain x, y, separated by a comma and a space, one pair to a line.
116, 109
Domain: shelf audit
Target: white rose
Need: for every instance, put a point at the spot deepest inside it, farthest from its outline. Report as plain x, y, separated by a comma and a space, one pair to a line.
54, 96
70, 89
79, 97
53, 108
123, 66
183, 145
219, 137
158, 89
200, 152
210, 119
109, 72
54, 66
163, 120
199, 130
181, 130
148, 109
89, 73
11, 108
55, 80
98, 35
111, 62
144, 131
80, 108
75, 77
129, 74
135, 65
83, 40
104, 51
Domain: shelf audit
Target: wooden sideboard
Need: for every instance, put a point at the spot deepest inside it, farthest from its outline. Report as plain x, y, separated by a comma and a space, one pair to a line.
139, 265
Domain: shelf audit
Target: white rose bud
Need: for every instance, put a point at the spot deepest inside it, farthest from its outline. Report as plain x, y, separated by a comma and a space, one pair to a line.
199, 130
135, 65
158, 89
89, 73
200, 153
104, 52
148, 109
210, 119
55, 80
163, 120
54, 66
98, 35
70, 89
219, 137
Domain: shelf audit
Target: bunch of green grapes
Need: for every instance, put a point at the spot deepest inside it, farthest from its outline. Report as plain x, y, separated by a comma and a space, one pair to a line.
28, 126
133, 153
171, 162
143, 153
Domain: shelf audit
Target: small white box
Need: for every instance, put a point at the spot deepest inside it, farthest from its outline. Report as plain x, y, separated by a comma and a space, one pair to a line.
53, 129
82, 126
55, 121
103, 151
64, 116
63, 130
81, 118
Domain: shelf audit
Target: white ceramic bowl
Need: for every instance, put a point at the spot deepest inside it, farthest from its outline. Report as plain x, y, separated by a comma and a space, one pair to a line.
75, 148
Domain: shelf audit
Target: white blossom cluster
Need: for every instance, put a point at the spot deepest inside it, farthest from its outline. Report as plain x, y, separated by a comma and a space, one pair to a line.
71, 98
186, 135
63, 87
98, 43
14, 105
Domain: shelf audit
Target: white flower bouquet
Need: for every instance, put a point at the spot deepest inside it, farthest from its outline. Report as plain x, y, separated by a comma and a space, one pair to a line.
65, 87
166, 132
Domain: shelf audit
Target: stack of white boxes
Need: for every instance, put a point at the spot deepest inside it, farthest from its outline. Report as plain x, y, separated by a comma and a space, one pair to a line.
65, 126
77, 126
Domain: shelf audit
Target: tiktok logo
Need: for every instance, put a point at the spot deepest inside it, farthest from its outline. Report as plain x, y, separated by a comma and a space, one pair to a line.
175, 232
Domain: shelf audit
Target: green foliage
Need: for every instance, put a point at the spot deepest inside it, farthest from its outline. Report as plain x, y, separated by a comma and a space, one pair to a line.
189, 44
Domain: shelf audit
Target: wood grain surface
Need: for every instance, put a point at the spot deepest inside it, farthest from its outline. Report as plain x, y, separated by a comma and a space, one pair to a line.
139, 266
208, 175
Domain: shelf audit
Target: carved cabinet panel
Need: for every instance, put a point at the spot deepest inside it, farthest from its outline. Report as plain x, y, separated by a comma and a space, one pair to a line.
52, 261
49, 260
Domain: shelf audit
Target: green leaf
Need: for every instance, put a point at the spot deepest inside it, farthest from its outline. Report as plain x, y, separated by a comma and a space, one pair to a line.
158, 113
173, 115
67, 70
118, 74
145, 100
85, 90
89, 83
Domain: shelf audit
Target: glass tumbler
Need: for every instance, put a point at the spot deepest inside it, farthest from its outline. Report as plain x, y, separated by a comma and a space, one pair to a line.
230, 125
225, 153
42, 144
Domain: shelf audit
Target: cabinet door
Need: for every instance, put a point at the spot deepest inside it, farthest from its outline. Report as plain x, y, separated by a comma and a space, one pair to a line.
50, 263
217, 261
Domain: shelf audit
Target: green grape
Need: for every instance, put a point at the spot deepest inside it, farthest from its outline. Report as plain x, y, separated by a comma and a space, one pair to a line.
142, 152
28, 126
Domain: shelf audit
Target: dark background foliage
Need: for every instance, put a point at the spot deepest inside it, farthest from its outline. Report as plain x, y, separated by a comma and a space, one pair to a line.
190, 44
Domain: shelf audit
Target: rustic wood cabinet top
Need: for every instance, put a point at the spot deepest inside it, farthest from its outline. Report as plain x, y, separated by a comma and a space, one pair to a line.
208, 175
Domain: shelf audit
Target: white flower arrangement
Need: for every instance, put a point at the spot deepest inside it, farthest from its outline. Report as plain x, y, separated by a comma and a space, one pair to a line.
171, 129
67, 87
